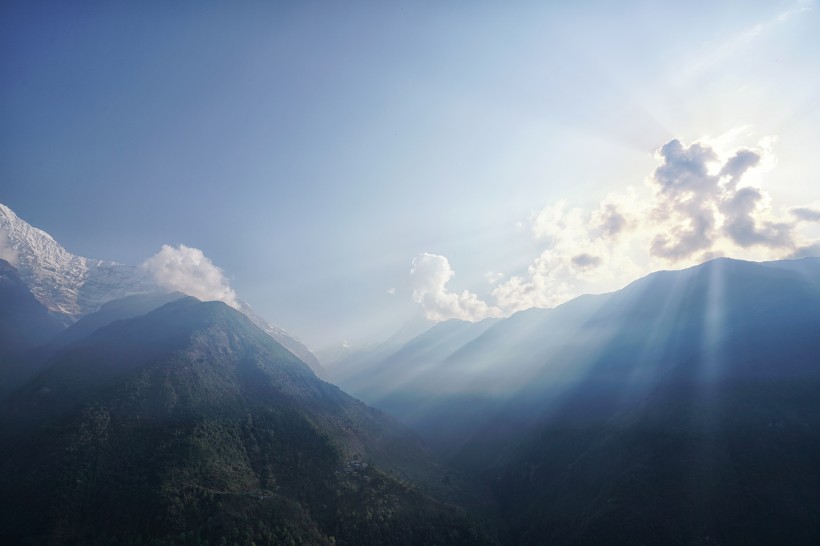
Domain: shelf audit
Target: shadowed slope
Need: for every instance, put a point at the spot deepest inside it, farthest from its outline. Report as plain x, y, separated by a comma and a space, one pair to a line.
190, 424
24, 324
682, 409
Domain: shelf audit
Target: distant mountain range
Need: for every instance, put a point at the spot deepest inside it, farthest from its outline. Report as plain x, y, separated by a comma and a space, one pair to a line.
71, 286
657, 320
683, 409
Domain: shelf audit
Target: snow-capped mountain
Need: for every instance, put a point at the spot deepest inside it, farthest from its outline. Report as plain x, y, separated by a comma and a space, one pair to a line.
67, 285
71, 286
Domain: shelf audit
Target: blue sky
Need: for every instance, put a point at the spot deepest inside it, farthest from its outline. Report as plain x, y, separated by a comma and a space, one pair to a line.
318, 152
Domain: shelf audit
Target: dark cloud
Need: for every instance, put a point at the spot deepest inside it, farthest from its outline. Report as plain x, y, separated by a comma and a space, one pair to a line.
686, 189
806, 214
613, 221
691, 197
586, 261
737, 166
741, 227
810, 251
685, 169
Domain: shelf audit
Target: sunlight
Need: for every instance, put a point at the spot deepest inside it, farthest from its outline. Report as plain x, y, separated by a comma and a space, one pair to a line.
656, 333
714, 326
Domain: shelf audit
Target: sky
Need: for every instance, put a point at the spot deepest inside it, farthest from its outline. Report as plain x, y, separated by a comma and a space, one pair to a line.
344, 167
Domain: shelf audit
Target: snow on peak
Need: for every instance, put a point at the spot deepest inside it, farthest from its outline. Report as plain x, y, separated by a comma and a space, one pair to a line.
66, 284
72, 286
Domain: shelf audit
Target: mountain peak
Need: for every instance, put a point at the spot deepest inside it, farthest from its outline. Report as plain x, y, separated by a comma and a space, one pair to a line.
67, 285
72, 286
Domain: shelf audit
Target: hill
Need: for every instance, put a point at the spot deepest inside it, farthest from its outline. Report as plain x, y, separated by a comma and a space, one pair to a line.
191, 425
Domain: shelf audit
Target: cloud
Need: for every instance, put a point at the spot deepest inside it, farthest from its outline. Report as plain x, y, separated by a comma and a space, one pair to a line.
698, 203
430, 274
391, 291
7, 251
586, 261
610, 220
694, 232
685, 170
493, 277
809, 251
701, 207
575, 249
806, 214
188, 270
744, 230
737, 166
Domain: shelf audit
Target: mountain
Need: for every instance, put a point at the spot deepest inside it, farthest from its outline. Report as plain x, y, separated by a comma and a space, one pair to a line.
114, 310
36, 358
692, 418
71, 286
24, 324
729, 463
683, 409
191, 425
344, 358
286, 340
638, 331
375, 379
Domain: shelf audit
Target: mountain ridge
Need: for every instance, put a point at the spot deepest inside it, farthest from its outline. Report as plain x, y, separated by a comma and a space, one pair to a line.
680, 409
188, 421
67, 284
72, 286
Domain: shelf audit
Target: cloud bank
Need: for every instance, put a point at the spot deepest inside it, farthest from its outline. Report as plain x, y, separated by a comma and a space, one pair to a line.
698, 204
188, 270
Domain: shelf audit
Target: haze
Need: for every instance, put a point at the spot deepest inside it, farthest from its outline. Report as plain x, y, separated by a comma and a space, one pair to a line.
345, 168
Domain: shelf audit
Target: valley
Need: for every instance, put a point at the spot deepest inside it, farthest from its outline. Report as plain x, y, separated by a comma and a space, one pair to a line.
681, 409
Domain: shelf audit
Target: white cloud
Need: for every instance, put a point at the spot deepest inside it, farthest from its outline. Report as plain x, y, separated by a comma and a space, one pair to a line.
391, 291
493, 277
430, 274
7, 252
698, 204
188, 270
583, 252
